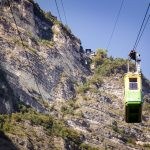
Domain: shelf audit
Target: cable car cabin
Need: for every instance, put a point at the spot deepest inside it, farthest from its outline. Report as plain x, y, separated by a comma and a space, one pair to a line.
133, 97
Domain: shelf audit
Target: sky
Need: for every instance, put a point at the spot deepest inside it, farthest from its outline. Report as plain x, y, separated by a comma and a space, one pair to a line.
92, 21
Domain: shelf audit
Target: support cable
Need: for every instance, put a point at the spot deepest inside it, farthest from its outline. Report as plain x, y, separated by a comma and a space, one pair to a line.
116, 21
58, 10
138, 36
142, 32
64, 12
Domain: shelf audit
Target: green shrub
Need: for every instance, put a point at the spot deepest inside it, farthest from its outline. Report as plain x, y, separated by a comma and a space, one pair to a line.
146, 106
86, 98
94, 90
121, 132
114, 66
67, 110
38, 119
97, 80
84, 146
50, 17
147, 145
46, 43
16, 117
71, 135
84, 88
2, 120
24, 108
100, 56
115, 128
131, 140
72, 103
8, 127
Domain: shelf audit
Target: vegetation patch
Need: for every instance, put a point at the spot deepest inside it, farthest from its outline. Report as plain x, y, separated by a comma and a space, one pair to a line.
83, 88
87, 147
147, 145
113, 66
69, 108
48, 43
13, 124
96, 80
131, 140
107, 66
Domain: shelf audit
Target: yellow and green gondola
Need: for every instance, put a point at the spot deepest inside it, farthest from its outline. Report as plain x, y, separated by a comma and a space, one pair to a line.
133, 97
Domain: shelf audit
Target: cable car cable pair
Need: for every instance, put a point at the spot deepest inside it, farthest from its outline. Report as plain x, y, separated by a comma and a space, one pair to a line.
64, 12
144, 23
133, 99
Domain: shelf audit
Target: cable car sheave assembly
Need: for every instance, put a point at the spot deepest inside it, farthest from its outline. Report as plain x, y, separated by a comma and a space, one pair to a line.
133, 91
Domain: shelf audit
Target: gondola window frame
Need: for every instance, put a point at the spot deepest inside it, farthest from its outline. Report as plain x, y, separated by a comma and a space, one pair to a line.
133, 84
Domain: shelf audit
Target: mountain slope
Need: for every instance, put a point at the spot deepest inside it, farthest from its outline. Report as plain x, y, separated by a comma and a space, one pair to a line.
64, 105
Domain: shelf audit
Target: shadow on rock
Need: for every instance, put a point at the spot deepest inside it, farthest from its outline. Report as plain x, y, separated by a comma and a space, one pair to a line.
6, 143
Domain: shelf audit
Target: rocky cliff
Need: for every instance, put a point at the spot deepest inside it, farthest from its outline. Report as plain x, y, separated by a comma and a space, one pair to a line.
44, 66
57, 102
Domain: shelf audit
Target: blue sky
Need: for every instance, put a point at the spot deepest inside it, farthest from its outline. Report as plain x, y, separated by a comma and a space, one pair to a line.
92, 21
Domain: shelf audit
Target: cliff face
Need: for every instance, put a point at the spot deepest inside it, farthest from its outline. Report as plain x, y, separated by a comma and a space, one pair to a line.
51, 56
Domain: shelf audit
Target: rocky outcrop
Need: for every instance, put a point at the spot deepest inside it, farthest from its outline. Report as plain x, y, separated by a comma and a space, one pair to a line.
46, 64
103, 121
